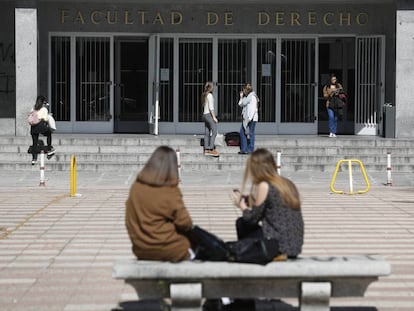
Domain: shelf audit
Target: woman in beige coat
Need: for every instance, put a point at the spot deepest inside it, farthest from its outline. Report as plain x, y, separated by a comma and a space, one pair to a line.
156, 217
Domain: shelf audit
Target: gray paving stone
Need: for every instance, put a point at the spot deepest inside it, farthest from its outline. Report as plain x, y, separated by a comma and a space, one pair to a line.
51, 239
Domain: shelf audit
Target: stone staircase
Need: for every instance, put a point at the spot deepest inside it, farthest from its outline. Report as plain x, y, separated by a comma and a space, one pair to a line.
129, 152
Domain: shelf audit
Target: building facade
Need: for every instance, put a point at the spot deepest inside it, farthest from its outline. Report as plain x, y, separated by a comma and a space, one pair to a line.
140, 66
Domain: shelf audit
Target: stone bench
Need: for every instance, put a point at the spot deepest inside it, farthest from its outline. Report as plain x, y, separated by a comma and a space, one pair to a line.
313, 279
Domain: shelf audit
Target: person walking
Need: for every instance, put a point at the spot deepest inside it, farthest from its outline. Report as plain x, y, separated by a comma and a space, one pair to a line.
210, 120
249, 104
331, 93
41, 127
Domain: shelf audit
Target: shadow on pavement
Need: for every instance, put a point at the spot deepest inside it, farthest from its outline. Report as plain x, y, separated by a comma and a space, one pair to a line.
260, 305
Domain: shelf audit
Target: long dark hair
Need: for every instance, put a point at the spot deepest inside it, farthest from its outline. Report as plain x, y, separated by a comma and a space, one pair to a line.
40, 102
161, 169
332, 75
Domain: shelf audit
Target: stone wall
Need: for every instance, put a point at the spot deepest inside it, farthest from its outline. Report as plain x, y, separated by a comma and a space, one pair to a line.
404, 100
26, 66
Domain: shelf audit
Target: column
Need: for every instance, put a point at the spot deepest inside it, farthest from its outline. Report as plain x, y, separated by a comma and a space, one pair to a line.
26, 66
404, 102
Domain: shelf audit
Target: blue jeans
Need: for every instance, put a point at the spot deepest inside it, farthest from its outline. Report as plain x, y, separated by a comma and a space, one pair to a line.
333, 120
244, 147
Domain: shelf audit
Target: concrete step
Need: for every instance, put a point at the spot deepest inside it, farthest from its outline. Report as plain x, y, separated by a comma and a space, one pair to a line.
178, 141
141, 157
130, 152
190, 166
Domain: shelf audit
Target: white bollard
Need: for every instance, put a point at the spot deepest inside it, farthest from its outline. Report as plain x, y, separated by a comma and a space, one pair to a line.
42, 169
351, 179
278, 165
177, 152
389, 179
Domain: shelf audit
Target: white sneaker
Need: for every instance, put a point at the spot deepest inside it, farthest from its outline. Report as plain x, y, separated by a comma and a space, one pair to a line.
332, 135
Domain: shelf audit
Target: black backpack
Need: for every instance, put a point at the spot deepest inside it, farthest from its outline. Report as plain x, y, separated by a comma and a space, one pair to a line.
232, 139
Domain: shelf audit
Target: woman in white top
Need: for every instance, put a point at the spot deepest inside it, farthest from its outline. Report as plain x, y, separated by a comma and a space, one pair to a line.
210, 120
249, 104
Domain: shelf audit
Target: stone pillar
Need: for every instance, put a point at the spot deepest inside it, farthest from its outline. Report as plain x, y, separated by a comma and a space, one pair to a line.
315, 296
26, 66
186, 296
404, 100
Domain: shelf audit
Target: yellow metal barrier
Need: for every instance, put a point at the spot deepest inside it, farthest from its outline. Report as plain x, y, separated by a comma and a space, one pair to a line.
351, 187
72, 176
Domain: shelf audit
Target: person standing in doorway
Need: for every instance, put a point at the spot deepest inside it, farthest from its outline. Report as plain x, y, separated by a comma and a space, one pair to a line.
249, 104
331, 93
210, 120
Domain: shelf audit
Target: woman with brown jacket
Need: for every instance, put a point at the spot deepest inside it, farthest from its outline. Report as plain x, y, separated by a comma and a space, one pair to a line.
156, 217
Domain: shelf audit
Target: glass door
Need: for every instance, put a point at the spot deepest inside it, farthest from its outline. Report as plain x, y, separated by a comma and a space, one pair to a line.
298, 87
225, 62
195, 68
131, 85
93, 101
81, 83
267, 64
369, 86
233, 71
60, 97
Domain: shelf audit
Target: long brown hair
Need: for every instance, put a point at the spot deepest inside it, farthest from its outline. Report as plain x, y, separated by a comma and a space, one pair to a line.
208, 88
260, 167
161, 169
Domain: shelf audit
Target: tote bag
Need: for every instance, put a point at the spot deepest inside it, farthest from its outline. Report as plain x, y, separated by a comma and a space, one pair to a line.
52, 123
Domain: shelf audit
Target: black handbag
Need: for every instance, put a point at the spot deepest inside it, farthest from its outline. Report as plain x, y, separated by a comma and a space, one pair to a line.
336, 103
250, 250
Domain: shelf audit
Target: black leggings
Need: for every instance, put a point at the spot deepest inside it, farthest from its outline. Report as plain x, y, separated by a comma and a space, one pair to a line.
35, 138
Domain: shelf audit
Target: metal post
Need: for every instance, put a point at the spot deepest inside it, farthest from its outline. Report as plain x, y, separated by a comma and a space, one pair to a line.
351, 180
177, 152
72, 176
389, 179
42, 169
278, 165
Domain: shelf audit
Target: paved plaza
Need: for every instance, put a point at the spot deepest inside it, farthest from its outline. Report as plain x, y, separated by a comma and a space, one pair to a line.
57, 251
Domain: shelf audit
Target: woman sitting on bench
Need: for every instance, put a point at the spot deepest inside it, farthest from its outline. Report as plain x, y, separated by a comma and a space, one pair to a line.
156, 217
271, 210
